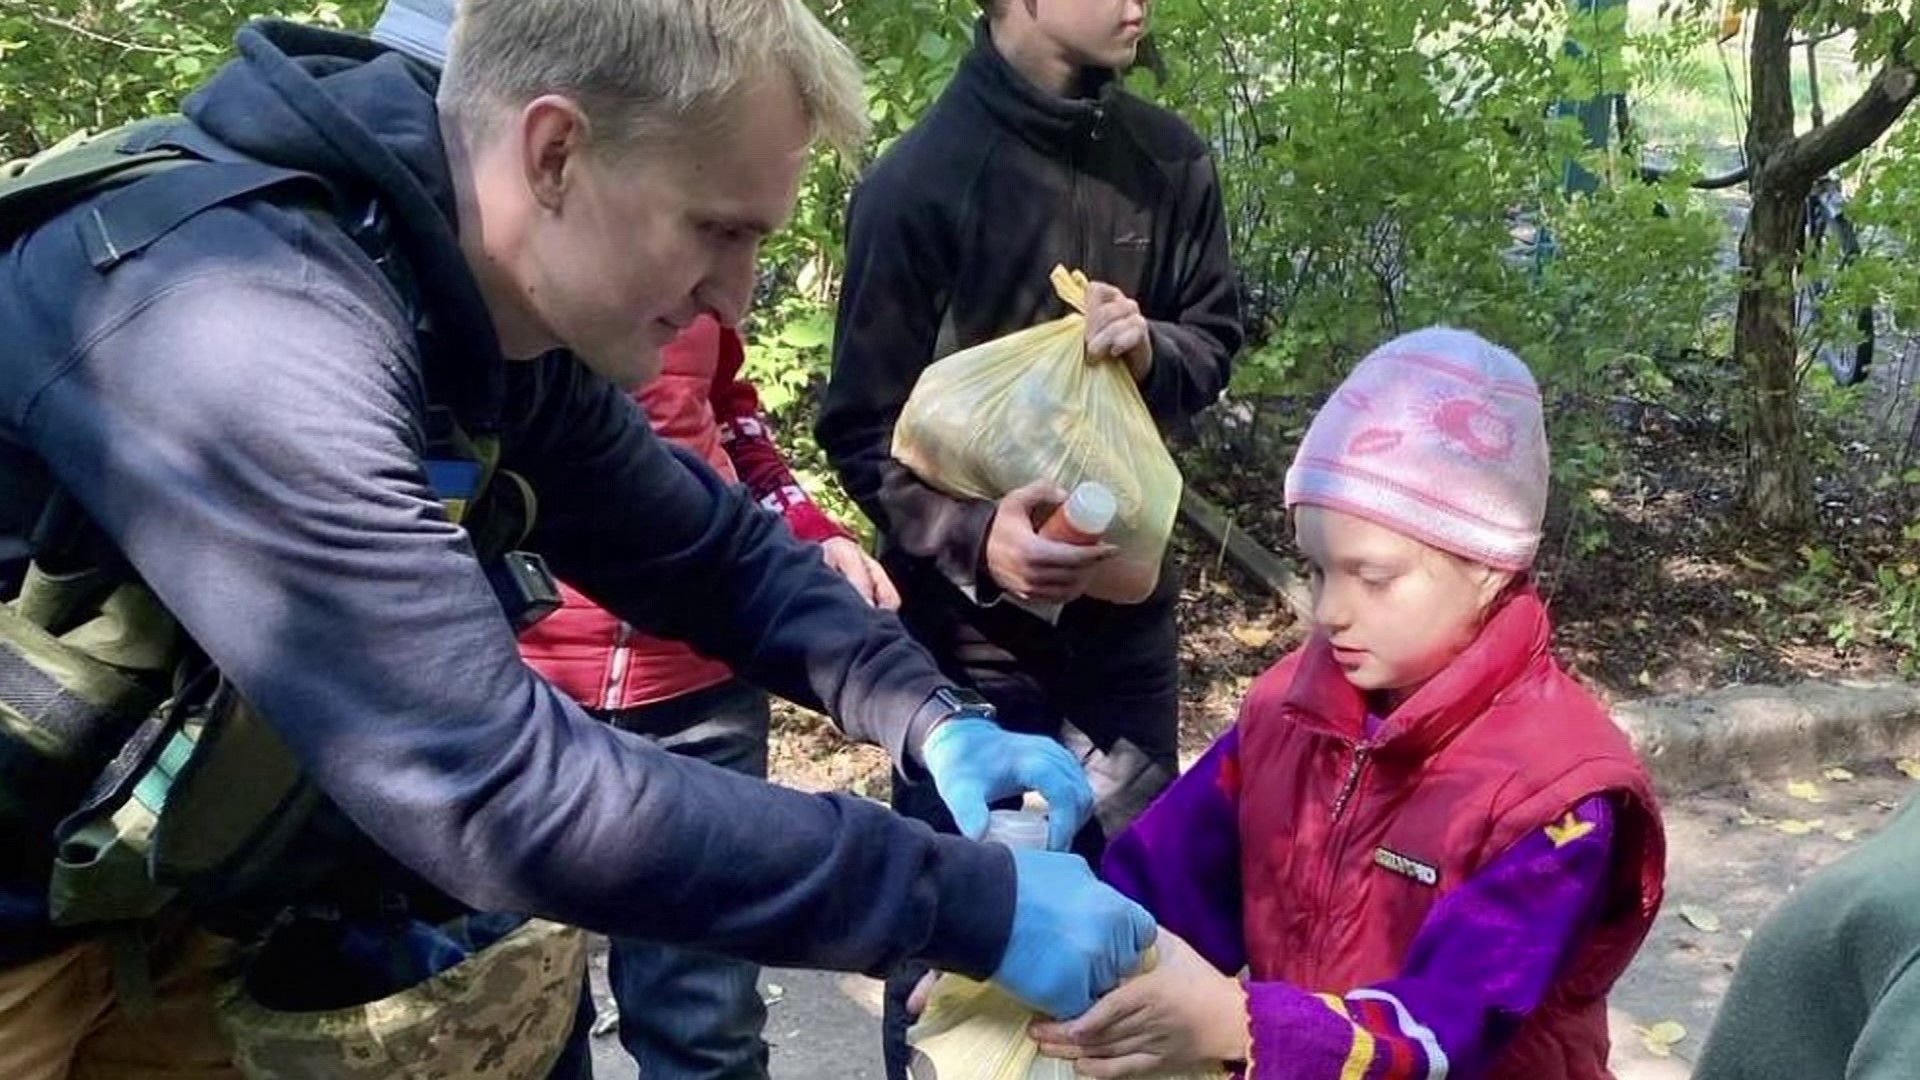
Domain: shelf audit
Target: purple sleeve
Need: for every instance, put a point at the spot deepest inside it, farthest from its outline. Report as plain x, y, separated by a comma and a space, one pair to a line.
1181, 859
1480, 965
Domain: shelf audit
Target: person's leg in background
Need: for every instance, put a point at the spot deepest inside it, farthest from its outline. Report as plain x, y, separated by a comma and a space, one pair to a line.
61, 1019
996, 652
47, 1006
684, 1014
1119, 680
1105, 681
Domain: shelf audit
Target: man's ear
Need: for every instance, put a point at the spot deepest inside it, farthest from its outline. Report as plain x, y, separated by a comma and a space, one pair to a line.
553, 138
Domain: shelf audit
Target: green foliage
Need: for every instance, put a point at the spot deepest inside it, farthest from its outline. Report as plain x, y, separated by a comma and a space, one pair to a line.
1376, 157
1896, 619
1885, 203
1882, 609
74, 65
1393, 166
1386, 166
1380, 159
909, 49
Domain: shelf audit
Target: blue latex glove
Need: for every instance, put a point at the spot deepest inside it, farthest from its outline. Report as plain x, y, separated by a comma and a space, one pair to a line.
974, 762
1073, 936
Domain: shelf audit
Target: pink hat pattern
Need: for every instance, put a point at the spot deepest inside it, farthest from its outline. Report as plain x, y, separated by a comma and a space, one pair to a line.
1439, 435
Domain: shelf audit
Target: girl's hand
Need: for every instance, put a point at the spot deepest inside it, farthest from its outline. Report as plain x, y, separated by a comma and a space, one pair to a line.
922, 993
862, 572
1181, 1014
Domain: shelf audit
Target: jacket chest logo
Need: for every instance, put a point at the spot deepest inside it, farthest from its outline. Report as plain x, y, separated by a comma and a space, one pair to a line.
1406, 866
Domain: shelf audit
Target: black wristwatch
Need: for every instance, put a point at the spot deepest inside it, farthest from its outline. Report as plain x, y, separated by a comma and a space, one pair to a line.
957, 703
946, 703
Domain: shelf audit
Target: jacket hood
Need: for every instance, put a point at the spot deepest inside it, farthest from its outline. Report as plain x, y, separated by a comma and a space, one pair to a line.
363, 116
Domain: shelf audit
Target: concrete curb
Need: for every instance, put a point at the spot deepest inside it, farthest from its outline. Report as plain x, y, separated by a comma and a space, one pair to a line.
1694, 741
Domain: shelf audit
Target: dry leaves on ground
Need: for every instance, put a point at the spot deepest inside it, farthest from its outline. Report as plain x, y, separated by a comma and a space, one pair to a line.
1661, 1038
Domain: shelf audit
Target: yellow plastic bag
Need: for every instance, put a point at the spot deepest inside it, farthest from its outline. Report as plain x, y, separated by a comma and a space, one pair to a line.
1029, 406
973, 1031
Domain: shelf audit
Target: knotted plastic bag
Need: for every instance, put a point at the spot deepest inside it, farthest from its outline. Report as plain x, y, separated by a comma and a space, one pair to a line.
973, 1031
1030, 406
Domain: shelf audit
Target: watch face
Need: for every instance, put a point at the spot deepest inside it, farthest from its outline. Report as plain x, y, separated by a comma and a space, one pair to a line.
965, 701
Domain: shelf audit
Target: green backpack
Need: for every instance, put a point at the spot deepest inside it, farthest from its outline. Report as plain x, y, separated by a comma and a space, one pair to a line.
168, 789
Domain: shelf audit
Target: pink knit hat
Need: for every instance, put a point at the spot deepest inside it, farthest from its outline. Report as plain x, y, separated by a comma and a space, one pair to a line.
1438, 434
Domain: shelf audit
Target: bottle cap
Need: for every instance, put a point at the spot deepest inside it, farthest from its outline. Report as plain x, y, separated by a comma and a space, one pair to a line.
1022, 830
1091, 508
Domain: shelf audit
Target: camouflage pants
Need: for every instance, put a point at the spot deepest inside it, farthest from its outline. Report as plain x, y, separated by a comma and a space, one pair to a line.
60, 1018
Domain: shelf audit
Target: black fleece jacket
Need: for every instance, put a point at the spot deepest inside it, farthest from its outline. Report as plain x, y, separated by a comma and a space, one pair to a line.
950, 238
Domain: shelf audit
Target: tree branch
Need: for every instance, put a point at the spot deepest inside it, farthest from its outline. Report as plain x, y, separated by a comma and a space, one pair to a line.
1243, 81
93, 35
1893, 88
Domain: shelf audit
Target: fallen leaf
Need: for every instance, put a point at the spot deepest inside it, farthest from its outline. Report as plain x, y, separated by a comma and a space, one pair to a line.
1668, 1031
1700, 918
1753, 564
1847, 836
1748, 817
1746, 933
774, 994
1838, 775
1908, 766
1796, 827
1661, 1037
1805, 790
1253, 637
1885, 805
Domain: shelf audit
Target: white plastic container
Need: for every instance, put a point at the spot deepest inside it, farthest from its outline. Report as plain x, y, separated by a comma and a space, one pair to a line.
1022, 830
1085, 517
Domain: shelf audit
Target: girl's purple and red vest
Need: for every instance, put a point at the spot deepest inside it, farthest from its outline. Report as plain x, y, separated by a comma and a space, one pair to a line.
1498, 746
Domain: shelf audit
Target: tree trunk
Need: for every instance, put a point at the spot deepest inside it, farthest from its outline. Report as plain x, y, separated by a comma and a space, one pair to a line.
1779, 490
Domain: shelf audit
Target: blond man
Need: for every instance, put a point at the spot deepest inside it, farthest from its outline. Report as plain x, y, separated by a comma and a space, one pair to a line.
247, 403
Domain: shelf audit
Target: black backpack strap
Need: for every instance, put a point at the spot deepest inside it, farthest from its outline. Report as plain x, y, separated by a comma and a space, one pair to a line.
123, 222
134, 183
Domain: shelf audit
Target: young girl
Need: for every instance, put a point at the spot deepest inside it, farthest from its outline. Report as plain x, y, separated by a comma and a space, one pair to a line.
1428, 849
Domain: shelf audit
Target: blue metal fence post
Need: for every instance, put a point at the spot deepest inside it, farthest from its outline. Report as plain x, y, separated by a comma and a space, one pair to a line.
1602, 55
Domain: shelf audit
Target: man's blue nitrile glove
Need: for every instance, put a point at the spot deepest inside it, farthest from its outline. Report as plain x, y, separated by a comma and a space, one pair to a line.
1073, 936
974, 762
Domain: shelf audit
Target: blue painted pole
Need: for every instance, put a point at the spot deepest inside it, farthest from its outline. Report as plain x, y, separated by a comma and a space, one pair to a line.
1593, 38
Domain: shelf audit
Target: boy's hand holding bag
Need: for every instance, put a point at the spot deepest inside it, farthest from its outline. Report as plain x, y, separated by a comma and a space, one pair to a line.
1034, 407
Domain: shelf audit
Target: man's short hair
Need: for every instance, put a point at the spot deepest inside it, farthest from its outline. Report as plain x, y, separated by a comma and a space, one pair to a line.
651, 70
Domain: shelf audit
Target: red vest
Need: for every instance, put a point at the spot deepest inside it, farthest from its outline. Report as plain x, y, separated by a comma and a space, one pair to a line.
590, 654
1499, 744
